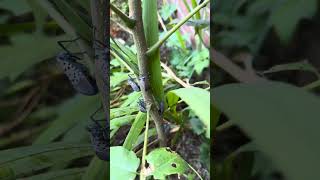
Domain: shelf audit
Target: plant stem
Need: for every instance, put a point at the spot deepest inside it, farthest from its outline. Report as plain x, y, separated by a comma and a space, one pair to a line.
231, 68
140, 42
130, 23
151, 32
144, 152
312, 85
176, 27
99, 13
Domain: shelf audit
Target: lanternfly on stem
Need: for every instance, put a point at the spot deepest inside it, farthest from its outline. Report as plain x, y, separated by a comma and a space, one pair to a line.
76, 72
142, 105
133, 84
99, 138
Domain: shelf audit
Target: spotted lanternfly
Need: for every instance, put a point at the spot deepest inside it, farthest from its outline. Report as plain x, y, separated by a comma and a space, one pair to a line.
166, 128
143, 83
99, 139
76, 73
142, 105
133, 84
161, 108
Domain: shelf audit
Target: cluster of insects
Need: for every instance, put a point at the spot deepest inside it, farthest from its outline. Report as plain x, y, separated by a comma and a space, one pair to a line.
136, 87
84, 83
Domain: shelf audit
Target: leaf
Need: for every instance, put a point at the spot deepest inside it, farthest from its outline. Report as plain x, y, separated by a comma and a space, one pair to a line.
117, 112
26, 51
281, 119
164, 162
199, 101
70, 113
302, 66
39, 14
123, 163
167, 10
296, 9
66, 174
200, 60
18, 7
135, 130
140, 140
132, 99
25, 160
118, 78
75, 20
97, 170
215, 115
197, 126
121, 121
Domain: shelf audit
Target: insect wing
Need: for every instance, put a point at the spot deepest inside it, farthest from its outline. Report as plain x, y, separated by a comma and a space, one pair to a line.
80, 80
99, 141
142, 106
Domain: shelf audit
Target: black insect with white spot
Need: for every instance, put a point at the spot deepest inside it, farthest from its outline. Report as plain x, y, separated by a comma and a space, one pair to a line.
143, 83
161, 108
133, 84
76, 72
99, 138
142, 106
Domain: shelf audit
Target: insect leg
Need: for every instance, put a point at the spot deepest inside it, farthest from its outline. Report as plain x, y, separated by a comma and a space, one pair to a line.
61, 43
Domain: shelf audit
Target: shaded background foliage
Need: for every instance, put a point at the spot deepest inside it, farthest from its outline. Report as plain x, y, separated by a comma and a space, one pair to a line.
42, 117
43, 120
277, 40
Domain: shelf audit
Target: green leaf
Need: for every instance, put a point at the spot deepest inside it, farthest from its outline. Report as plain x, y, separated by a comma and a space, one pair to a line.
164, 162
71, 112
18, 7
39, 14
97, 169
199, 101
121, 121
197, 126
200, 60
287, 16
66, 174
123, 163
215, 115
117, 112
167, 10
281, 119
117, 78
26, 51
75, 20
25, 160
301, 66
132, 99
135, 130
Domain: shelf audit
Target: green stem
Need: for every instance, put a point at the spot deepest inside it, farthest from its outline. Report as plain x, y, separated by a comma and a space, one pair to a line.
176, 27
130, 23
145, 144
312, 85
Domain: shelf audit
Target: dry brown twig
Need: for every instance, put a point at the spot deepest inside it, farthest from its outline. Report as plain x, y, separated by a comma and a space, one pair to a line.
31, 100
235, 71
173, 75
